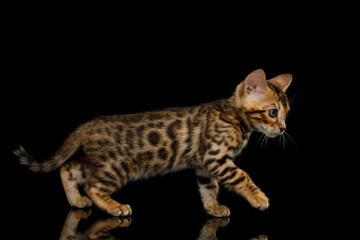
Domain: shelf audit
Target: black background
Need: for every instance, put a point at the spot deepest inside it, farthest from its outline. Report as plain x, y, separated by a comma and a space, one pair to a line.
61, 74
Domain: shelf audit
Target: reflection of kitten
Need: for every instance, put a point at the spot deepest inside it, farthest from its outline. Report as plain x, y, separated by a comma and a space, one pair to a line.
116, 149
100, 229
208, 231
260, 237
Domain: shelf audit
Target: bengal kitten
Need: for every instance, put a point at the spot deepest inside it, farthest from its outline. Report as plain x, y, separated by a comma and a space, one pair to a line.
121, 148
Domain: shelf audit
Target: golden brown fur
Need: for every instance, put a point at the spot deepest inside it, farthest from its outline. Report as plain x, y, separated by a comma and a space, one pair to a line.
120, 148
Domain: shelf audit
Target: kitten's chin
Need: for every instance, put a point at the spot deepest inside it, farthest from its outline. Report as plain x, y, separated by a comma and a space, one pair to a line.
269, 133
272, 135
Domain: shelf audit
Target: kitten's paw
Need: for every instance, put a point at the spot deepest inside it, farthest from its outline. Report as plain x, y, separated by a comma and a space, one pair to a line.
80, 213
120, 210
82, 202
218, 211
215, 223
122, 222
260, 201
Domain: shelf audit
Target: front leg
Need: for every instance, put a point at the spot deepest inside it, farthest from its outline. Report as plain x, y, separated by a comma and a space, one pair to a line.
227, 173
209, 190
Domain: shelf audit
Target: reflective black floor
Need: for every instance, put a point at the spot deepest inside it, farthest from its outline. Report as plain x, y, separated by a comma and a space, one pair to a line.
102, 228
36, 218
83, 224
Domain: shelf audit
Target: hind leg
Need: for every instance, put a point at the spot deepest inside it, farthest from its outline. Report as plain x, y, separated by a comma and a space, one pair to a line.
100, 190
105, 181
72, 175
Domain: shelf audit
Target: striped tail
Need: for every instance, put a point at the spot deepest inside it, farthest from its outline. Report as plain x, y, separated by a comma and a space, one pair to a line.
69, 147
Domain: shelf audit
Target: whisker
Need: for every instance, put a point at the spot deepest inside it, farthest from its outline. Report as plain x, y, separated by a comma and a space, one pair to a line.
283, 140
262, 138
262, 135
292, 141
266, 137
295, 97
280, 139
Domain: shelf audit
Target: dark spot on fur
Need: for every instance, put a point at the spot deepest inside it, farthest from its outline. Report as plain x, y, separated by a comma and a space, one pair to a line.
163, 154
215, 152
130, 139
154, 138
159, 124
112, 155
140, 132
143, 156
173, 129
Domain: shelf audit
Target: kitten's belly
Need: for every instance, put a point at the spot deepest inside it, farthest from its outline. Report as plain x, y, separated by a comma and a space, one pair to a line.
144, 174
160, 169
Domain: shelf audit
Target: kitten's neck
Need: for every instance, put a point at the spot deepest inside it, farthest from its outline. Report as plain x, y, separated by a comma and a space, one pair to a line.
236, 114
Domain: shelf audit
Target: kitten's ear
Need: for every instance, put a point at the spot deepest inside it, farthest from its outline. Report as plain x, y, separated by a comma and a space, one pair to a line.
255, 82
282, 81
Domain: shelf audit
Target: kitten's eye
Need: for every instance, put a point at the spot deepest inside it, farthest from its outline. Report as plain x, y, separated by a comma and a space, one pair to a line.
273, 112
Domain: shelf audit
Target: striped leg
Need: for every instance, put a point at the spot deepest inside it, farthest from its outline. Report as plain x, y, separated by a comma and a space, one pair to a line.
73, 174
209, 190
232, 177
106, 179
99, 192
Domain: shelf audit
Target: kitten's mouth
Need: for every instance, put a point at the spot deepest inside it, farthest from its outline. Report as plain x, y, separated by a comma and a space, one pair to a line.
272, 135
269, 132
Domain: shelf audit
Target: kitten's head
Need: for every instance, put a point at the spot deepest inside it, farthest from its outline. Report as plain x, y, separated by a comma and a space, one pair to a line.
264, 102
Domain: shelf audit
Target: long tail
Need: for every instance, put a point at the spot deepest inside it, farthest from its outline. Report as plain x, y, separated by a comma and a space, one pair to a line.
69, 147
